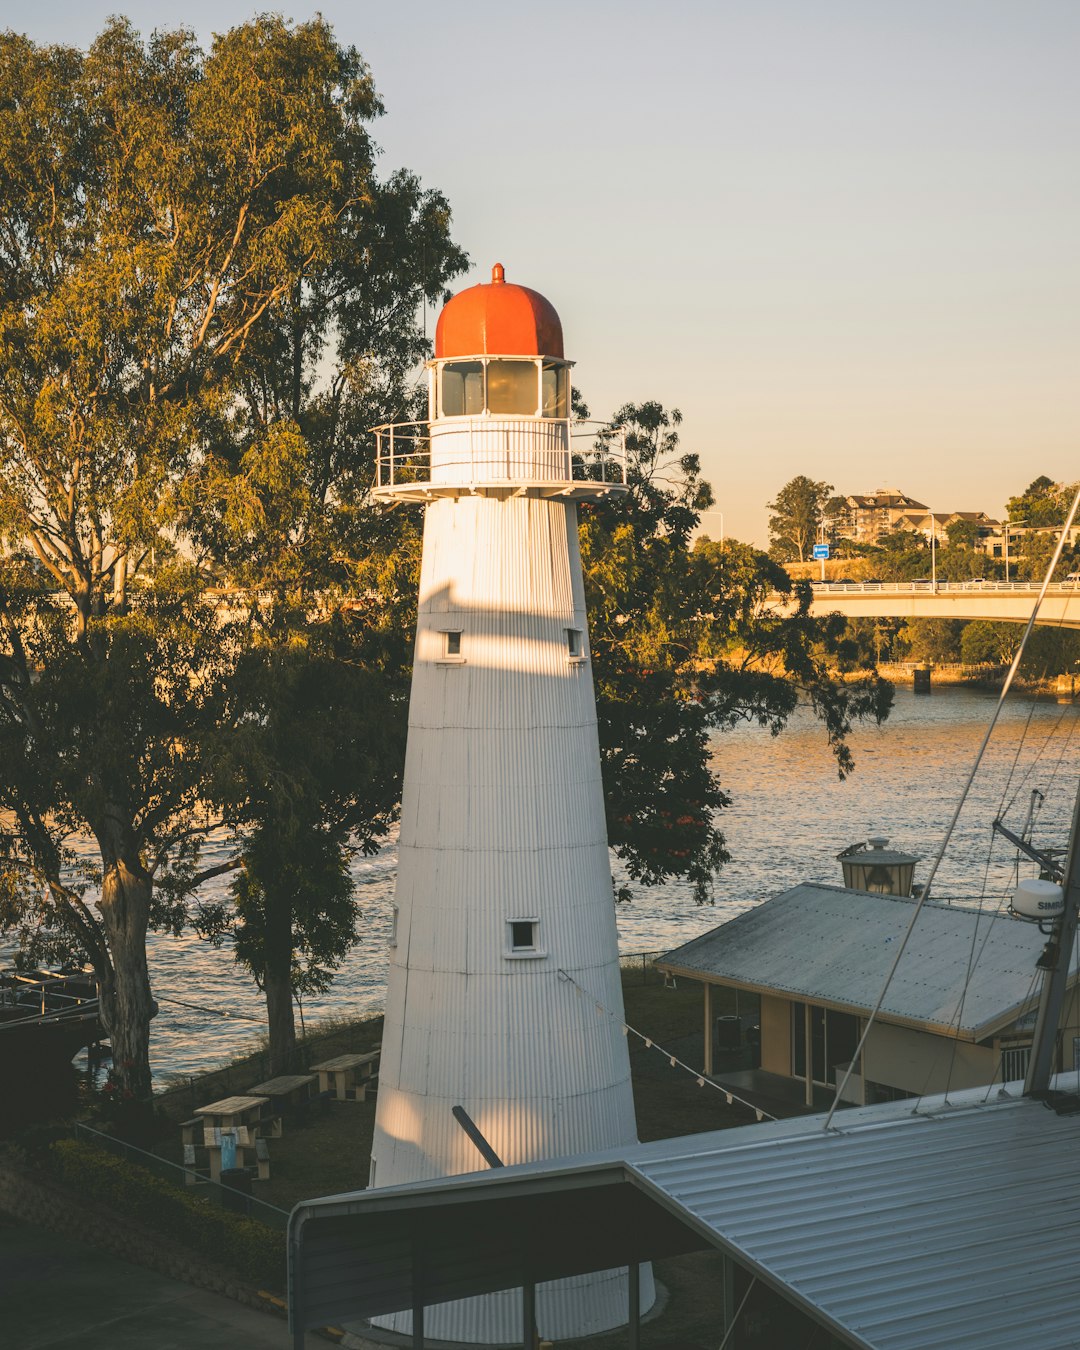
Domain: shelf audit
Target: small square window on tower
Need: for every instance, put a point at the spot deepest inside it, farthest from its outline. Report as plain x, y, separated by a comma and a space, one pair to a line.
523, 937
450, 647
575, 644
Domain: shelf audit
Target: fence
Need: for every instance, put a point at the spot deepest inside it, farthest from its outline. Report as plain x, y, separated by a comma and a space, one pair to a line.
635, 964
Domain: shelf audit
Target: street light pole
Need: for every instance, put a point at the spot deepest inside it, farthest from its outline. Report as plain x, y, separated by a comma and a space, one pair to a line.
933, 552
1007, 524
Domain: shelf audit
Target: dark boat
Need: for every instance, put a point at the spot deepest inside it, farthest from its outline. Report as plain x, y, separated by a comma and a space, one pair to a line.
47, 1015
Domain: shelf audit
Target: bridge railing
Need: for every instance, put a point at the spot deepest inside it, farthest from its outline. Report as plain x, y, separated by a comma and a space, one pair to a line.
922, 585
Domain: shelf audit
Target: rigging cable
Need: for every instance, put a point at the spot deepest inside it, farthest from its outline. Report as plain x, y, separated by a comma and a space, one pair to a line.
1009, 678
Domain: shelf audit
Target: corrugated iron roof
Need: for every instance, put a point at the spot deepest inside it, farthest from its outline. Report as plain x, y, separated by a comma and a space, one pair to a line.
956, 1224
834, 946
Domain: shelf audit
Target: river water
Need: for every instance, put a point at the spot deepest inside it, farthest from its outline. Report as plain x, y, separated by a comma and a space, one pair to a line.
791, 816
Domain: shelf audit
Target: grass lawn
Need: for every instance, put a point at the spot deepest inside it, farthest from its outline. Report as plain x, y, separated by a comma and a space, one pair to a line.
330, 1153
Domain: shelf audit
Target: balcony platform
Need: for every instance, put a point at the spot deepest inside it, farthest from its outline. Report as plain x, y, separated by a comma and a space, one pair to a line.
577, 490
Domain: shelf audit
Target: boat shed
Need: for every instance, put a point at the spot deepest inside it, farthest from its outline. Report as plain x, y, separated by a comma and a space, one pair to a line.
959, 1010
956, 1224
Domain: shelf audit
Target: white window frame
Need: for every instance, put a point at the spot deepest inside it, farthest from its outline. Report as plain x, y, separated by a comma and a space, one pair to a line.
447, 657
533, 953
575, 645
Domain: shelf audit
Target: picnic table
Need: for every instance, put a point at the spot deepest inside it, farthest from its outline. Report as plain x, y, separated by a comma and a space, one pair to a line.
232, 1113
242, 1117
347, 1073
288, 1092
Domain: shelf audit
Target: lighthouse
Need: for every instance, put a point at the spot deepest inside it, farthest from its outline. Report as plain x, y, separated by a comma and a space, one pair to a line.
504, 997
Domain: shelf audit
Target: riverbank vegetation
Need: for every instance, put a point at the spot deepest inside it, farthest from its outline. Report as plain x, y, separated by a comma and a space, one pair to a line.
806, 513
205, 619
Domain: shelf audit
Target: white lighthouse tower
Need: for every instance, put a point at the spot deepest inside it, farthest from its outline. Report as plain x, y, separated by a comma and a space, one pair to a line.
504, 880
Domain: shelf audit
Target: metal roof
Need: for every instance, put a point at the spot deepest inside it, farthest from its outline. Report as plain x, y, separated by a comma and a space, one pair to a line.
834, 946
956, 1224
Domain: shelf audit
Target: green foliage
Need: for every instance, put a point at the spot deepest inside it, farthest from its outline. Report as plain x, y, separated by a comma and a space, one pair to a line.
962, 534
1043, 503
933, 639
256, 1253
190, 240
992, 643
308, 772
798, 511
685, 642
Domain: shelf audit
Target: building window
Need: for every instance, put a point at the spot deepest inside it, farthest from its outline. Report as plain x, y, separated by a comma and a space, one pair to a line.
1014, 1062
834, 1037
575, 644
523, 937
449, 652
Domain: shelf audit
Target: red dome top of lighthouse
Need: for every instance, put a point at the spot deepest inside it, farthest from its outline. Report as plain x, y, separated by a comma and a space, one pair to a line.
498, 319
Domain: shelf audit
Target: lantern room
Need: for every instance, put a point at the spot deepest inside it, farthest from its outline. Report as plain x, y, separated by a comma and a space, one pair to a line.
499, 352
499, 416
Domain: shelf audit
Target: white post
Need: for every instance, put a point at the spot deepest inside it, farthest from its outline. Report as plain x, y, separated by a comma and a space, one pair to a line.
808, 1054
707, 1061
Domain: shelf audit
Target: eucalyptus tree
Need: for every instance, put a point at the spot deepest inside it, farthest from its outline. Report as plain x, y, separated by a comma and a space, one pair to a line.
164, 213
798, 511
687, 639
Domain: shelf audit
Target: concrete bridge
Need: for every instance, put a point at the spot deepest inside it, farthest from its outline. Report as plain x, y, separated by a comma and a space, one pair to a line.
1000, 601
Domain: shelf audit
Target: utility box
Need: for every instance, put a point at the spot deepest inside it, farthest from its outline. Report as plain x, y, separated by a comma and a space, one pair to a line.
729, 1033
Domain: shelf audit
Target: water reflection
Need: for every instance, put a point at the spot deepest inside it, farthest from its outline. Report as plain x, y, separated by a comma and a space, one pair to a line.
790, 818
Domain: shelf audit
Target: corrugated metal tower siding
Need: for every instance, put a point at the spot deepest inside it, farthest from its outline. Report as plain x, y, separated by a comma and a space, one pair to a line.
503, 819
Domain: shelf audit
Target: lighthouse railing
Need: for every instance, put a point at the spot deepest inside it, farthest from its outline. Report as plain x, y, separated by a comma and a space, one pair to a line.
594, 452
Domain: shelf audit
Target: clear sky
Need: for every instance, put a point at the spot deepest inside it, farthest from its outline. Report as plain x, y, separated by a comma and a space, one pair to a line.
840, 235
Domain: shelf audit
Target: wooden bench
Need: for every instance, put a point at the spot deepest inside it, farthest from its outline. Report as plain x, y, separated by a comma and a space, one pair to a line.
348, 1075
191, 1130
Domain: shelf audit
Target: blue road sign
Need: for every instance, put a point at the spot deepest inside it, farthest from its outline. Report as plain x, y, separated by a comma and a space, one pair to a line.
821, 552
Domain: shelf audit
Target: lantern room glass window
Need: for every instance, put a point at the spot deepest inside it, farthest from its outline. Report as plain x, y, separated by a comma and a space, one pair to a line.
462, 389
554, 388
503, 387
512, 388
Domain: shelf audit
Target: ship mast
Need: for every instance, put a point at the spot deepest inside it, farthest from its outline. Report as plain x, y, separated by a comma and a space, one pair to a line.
1056, 961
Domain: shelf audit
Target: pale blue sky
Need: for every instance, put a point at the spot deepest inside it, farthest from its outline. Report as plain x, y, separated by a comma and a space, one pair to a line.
841, 235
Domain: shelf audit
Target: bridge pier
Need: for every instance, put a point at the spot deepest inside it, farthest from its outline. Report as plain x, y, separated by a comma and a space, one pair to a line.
922, 679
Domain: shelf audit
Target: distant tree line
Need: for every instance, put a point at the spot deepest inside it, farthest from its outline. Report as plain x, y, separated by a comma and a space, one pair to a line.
801, 515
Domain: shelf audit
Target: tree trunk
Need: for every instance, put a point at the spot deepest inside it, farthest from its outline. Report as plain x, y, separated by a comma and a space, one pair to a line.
277, 982
126, 1003
279, 1021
